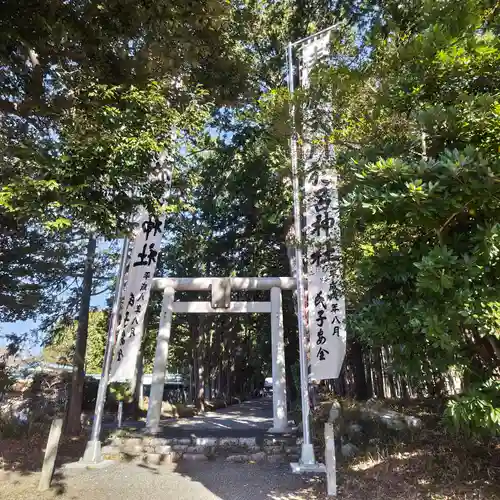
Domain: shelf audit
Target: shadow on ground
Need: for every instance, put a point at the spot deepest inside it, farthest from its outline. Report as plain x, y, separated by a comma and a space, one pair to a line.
21, 461
252, 481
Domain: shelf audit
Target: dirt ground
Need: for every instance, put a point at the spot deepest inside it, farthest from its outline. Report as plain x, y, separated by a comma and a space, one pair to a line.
426, 463
432, 473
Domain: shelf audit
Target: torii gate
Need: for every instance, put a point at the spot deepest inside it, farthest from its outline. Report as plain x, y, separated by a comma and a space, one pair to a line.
220, 289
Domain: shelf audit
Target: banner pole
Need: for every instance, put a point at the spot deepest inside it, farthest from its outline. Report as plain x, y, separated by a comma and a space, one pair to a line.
93, 449
307, 454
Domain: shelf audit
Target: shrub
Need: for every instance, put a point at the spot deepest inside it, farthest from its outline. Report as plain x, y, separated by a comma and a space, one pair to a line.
11, 428
6, 381
477, 412
121, 391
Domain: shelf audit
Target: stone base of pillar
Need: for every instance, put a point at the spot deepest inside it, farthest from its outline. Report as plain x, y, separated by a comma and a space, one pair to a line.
300, 468
154, 431
307, 462
92, 453
281, 430
307, 454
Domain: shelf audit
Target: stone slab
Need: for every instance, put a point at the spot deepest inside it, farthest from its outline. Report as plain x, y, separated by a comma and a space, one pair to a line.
83, 465
163, 450
228, 442
206, 441
237, 458
154, 458
194, 457
299, 468
247, 441
257, 457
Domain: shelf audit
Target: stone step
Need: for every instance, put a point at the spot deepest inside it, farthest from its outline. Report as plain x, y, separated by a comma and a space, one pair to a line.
156, 459
167, 450
150, 444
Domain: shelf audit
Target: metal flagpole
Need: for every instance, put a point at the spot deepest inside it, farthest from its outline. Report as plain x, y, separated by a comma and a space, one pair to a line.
93, 449
307, 454
307, 460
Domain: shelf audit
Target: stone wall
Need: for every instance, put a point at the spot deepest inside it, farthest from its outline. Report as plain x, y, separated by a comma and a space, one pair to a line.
158, 450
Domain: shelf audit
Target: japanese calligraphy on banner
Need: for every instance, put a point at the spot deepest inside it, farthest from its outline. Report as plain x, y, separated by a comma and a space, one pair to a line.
325, 298
135, 296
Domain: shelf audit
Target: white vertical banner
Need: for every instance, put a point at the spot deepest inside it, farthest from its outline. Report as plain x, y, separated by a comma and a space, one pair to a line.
135, 296
325, 297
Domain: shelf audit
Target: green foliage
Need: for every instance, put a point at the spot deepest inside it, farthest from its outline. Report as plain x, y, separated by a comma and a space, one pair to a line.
60, 343
476, 413
35, 267
121, 391
414, 90
90, 93
415, 132
233, 223
6, 380
103, 149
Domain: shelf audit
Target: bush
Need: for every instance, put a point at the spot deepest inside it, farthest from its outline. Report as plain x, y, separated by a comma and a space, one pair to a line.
6, 381
10, 428
476, 413
121, 391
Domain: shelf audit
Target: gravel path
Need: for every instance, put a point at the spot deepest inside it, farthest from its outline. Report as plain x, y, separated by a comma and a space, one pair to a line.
248, 418
187, 480
214, 480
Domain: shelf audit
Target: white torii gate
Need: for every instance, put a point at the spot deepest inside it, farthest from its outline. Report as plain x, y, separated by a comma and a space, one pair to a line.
221, 294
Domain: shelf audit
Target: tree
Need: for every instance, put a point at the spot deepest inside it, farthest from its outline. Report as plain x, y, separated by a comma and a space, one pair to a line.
415, 132
76, 399
35, 265
415, 128
59, 346
79, 74
234, 216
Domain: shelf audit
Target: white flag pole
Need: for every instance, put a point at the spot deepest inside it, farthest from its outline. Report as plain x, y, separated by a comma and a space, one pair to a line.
307, 460
307, 454
93, 449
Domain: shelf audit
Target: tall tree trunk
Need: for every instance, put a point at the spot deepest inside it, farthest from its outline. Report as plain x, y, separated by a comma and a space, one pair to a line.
208, 346
137, 387
386, 353
219, 331
368, 373
359, 370
78, 376
229, 352
340, 383
200, 377
200, 394
405, 393
379, 375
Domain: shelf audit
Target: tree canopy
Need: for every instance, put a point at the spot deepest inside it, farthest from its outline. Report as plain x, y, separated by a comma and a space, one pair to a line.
91, 92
